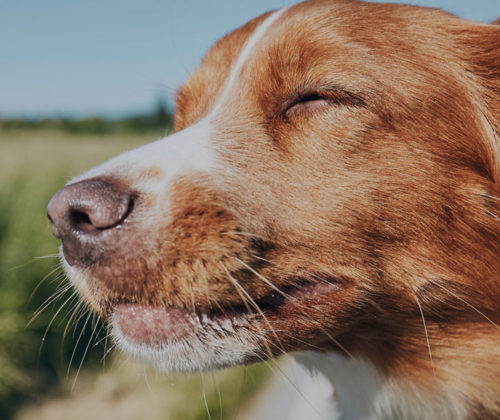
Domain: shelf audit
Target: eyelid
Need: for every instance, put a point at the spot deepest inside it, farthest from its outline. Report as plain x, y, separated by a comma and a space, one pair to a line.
335, 95
331, 95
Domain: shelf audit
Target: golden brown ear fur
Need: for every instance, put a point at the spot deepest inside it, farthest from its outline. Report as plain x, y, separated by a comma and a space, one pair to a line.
482, 43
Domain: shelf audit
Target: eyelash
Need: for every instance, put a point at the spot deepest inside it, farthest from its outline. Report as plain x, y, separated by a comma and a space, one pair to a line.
330, 97
312, 97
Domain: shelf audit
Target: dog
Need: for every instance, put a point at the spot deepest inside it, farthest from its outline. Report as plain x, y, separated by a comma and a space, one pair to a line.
332, 190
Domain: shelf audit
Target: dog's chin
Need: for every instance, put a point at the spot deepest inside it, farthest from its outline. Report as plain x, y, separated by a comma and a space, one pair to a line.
187, 338
174, 339
179, 340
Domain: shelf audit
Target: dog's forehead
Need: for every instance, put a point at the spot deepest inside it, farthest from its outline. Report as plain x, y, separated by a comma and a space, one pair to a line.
245, 52
299, 40
200, 91
344, 43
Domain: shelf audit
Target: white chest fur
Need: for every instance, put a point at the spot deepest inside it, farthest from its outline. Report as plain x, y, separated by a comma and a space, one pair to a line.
332, 387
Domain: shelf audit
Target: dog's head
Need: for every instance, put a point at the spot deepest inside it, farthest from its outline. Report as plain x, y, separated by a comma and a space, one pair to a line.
333, 177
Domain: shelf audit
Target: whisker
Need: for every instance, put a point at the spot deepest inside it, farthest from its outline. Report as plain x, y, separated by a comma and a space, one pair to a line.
76, 346
217, 388
308, 345
42, 257
205, 395
30, 261
84, 310
73, 311
331, 338
51, 299
146, 380
108, 334
76, 310
254, 304
271, 285
274, 367
426, 333
85, 352
237, 233
491, 196
319, 278
291, 273
52, 320
57, 296
468, 304
52, 271
236, 285
493, 215
296, 303
109, 350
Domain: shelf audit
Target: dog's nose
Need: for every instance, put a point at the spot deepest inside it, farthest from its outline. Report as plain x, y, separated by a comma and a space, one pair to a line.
83, 214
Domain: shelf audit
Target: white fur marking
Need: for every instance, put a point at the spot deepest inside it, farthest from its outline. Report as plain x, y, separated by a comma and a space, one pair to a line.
364, 393
177, 154
293, 394
245, 53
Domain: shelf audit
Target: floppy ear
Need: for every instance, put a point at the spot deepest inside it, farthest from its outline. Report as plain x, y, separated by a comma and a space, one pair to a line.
482, 50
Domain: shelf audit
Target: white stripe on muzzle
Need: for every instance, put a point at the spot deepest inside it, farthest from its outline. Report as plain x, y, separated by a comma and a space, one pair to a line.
182, 153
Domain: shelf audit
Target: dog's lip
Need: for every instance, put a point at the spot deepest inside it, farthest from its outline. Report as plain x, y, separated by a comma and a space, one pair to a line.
158, 325
152, 325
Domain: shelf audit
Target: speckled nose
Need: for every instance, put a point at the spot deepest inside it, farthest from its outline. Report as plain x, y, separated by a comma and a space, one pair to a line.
83, 212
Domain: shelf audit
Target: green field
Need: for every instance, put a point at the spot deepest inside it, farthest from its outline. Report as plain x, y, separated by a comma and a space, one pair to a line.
38, 366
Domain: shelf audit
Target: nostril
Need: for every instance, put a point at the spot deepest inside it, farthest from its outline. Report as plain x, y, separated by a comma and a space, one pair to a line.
80, 220
80, 212
100, 214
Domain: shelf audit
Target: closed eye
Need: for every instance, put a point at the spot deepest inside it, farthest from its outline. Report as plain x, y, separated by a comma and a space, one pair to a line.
313, 97
314, 101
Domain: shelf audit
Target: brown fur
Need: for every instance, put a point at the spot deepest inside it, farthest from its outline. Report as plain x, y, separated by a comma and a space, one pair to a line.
390, 189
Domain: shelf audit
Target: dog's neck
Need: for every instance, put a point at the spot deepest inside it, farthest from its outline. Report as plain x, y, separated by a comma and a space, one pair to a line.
361, 392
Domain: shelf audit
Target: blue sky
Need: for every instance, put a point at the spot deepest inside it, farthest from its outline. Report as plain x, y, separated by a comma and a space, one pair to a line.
113, 57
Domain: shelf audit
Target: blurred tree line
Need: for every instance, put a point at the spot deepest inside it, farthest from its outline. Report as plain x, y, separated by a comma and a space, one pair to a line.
157, 120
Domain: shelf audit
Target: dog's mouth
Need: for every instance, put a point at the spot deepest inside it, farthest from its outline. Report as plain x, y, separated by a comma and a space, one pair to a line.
158, 326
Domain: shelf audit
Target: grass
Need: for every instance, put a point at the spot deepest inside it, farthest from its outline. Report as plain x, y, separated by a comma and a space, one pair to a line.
129, 392
34, 163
